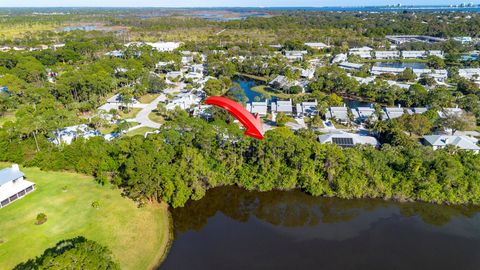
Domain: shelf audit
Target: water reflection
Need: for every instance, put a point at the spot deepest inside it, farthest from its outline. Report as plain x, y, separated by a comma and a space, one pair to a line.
235, 229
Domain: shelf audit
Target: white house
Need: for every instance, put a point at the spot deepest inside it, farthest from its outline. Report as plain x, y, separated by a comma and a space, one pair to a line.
449, 111
260, 107
307, 108
339, 58
68, 134
395, 112
387, 54
183, 101
284, 106
436, 53
295, 55
470, 74
350, 66
345, 139
363, 52
414, 54
13, 185
317, 45
363, 113
441, 141
174, 75
339, 114
463, 40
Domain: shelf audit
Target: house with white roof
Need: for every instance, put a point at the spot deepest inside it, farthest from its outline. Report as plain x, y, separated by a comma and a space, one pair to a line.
436, 53
417, 110
414, 54
284, 106
470, 74
339, 58
174, 75
449, 111
295, 55
260, 107
461, 142
164, 46
395, 112
317, 45
118, 54
68, 134
463, 40
363, 52
307, 108
183, 101
308, 73
363, 113
13, 185
350, 66
387, 54
345, 139
339, 114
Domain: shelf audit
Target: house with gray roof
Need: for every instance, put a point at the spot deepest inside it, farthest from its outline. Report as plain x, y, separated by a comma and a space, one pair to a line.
461, 142
339, 114
284, 106
13, 185
260, 107
307, 108
345, 139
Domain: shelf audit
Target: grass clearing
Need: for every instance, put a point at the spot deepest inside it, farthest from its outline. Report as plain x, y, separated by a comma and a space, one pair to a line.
156, 117
131, 114
140, 131
265, 90
148, 98
8, 116
137, 237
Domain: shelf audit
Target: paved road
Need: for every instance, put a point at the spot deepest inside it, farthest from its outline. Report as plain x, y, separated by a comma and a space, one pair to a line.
142, 116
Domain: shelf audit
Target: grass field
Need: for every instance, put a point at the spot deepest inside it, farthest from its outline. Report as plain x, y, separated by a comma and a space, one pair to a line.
148, 98
131, 114
156, 118
140, 131
262, 89
8, 116
138, 237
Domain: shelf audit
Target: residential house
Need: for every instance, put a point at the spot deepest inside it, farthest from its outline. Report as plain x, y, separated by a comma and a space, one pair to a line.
174, 75
463, 40
118, 54
307, 108
350, 66
363, 52
470, 74
260, 107
295, 55
184, 101
387, 54
68, 134
400, 39
414, 54
395, 112
317, 45
339, 58
461, 142
449, 111
364, 113
436, 53
284, 106
339, 114
13, 185
345, 139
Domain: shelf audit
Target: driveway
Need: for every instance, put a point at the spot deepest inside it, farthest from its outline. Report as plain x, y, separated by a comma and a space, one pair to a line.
142, 116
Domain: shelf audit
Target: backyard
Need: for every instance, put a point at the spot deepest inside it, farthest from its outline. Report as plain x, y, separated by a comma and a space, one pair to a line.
138, 237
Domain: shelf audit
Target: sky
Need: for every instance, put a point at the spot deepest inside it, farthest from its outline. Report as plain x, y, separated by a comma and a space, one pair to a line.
219, 3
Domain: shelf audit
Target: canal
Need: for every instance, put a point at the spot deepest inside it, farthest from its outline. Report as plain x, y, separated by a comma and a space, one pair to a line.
231, 228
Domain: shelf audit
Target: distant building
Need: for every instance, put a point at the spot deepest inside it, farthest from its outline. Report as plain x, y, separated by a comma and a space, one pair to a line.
339, 114
339, 58
400, 39
317, 45
260, 107
441, 141
118, 54
449, 111
307, 108
470, 74
295, 55
395, 112
184, 101
436, 53
364, 113
363, 52
13, 185
463, 40
350, 66
345, 139
414, 54
284, 106
387, 54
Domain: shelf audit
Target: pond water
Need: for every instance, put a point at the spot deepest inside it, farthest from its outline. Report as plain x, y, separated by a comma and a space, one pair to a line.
231, 228
402, 65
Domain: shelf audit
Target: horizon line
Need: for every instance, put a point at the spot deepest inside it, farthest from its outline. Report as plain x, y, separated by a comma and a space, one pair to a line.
259, 7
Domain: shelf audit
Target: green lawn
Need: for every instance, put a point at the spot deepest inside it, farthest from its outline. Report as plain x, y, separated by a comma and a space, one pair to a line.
156, 118
148, 98
138, 237
140, 131
131, 114
263, 89
8, 116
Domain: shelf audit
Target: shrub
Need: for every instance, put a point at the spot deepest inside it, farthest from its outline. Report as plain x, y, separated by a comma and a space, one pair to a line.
41, 218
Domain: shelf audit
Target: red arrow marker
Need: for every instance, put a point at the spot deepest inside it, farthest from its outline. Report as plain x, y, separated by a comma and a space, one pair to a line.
253, 124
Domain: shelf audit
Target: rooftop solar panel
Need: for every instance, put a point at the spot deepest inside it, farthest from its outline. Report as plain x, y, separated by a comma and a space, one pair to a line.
345, 142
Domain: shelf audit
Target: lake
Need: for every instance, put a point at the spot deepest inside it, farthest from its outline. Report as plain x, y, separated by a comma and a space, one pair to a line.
413, 65
231, 228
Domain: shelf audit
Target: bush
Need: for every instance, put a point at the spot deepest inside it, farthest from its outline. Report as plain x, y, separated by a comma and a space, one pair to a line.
41, 218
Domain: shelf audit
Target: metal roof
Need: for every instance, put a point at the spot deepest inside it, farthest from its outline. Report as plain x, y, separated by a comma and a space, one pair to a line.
9, 174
